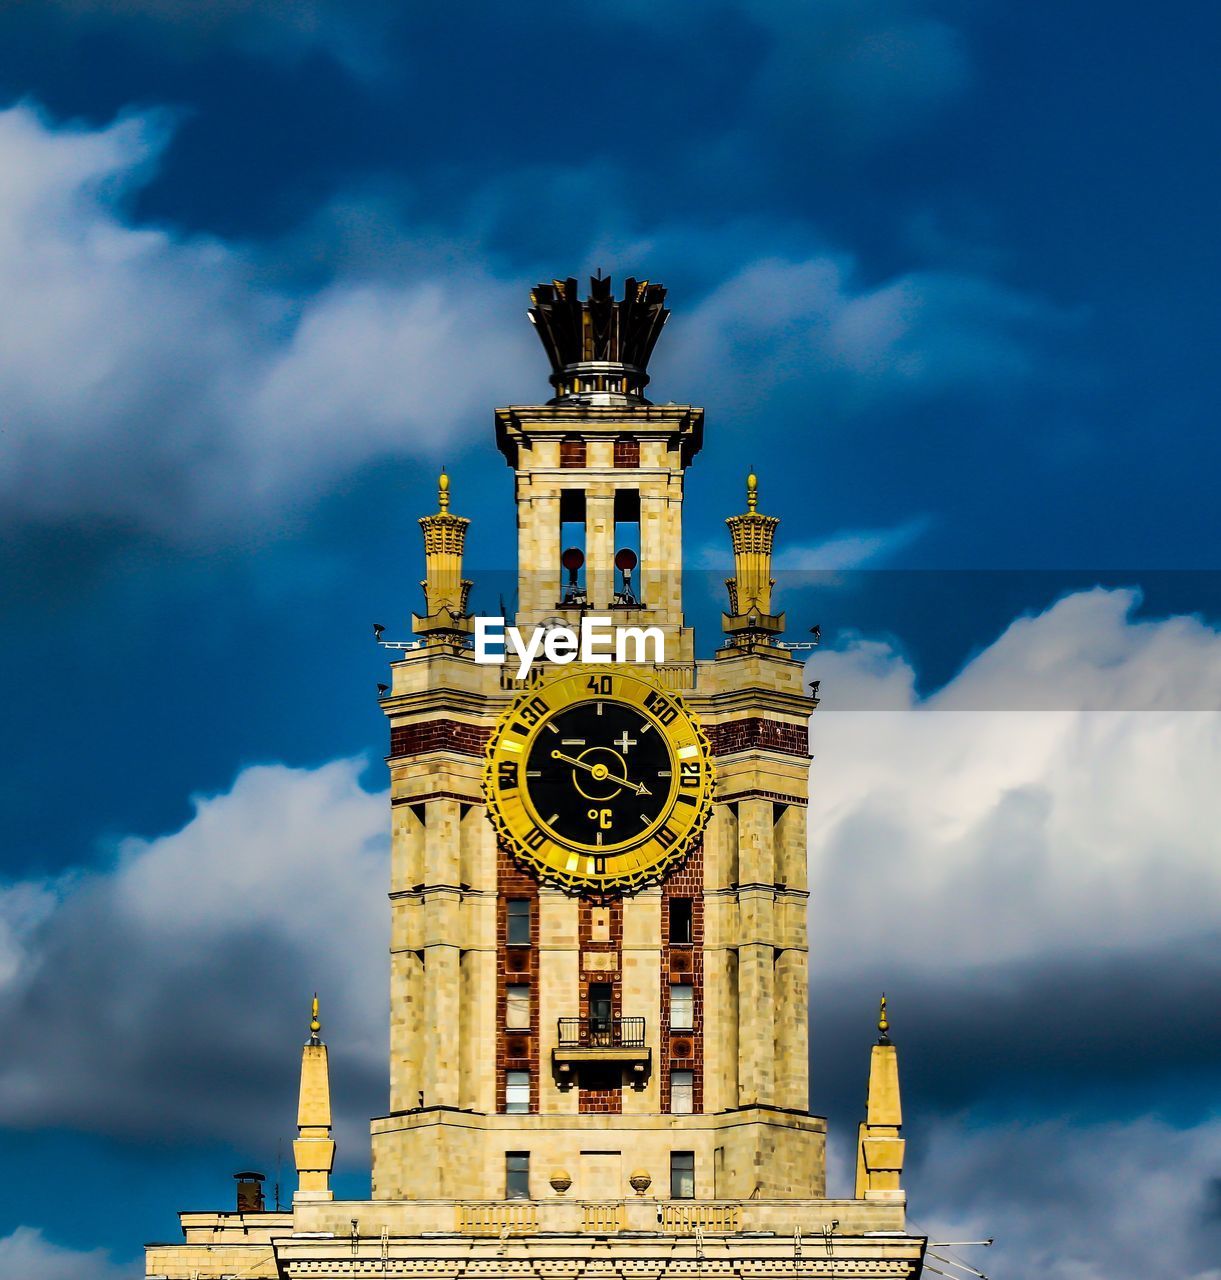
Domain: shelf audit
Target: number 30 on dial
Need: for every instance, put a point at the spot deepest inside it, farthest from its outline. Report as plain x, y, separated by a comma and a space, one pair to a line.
598, 781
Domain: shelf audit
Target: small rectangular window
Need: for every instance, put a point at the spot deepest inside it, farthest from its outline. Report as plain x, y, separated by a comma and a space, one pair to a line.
682, 1175
517, 1175
517, 1007
601, 1007
680, 920
682, 1092
517, 1093
519, 922
682, 1007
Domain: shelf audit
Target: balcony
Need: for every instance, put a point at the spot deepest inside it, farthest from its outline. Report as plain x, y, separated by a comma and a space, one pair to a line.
601, 1040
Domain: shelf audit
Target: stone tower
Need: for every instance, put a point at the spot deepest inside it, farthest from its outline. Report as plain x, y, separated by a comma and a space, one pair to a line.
581, 1075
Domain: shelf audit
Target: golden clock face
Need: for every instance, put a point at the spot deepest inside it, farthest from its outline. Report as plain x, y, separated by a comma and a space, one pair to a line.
598, 781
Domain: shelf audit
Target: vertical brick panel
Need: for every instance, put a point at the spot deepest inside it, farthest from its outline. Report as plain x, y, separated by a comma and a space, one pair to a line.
572, 453
513, 882
601, 1101
627, 453
687, 882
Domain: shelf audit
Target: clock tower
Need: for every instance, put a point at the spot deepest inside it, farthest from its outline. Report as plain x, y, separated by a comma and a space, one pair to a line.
598, 894
568, 1004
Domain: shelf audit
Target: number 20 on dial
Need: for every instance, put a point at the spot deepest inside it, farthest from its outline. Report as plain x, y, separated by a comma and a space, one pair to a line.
598, 781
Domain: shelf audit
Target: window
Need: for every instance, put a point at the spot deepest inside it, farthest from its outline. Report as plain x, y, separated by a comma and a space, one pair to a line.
680, 920
517, 1093
517, 1007
519, 922
572, 538
682, 1175
682, 1092
627, 539
682, 1007
601, 1006
517, 1175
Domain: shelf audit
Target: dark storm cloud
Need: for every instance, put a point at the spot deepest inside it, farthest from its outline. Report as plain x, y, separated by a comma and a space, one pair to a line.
1070, 1201
1087, 1036
170, 995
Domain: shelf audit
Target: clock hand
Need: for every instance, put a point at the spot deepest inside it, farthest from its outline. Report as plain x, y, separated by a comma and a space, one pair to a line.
601, 772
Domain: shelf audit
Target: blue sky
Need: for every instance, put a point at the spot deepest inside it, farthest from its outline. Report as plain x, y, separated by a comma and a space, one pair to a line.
944, 273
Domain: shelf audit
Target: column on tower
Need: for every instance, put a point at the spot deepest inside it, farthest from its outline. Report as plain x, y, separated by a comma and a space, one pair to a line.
600, 544
538, 547
477, 959
756, 954
721, 960
406, 961
792, 969
791, 1037
442, 951
661, 506
559, 985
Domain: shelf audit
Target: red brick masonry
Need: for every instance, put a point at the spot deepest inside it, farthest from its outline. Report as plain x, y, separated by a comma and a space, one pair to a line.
683, 962
627, 453
438, 735
758, 734
752, 734
601, 1101
515, 1050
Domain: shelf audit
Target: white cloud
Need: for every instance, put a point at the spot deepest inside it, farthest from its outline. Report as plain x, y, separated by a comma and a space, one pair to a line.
1026, 861
803, 563
170, 993
1057, 798
26, 1254
148, 378
159, 381
849, 549
812, 328
950, 836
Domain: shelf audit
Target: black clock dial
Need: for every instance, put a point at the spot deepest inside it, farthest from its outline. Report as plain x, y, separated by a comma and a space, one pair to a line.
599, 774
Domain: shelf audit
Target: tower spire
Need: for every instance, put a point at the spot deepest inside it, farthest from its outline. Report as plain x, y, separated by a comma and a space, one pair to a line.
879, 1156
445, 589
750, 618
314, 1149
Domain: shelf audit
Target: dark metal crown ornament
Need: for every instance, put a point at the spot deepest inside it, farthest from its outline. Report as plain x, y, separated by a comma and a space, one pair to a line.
599, 347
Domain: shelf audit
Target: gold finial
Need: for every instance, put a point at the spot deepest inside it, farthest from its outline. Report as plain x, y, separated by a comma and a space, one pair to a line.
883, 1023
443, 491
752, 491
314, 1025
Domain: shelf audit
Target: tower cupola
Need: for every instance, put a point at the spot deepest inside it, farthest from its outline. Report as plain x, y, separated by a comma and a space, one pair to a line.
599, 346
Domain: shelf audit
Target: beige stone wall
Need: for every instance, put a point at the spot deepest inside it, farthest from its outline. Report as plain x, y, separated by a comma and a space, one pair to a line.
426, 1155
850, 1239
531, 438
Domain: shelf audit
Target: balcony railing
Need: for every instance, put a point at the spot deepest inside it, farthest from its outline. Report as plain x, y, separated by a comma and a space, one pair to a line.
601, 1033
